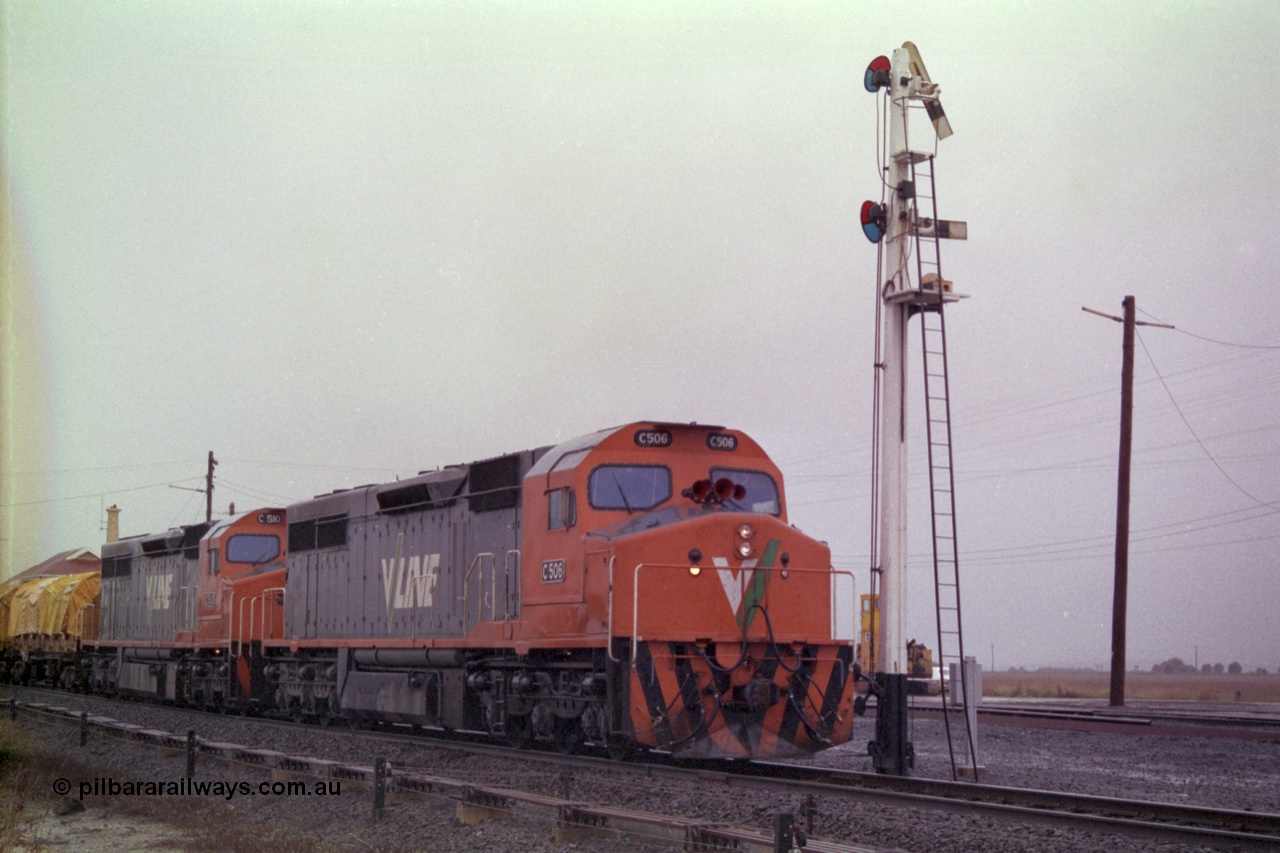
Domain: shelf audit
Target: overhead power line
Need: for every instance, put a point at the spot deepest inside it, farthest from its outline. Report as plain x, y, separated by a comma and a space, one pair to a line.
104, 493
1191, 429
1215, 340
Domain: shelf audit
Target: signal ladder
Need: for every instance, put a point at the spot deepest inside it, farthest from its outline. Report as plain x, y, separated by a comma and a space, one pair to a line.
934, 293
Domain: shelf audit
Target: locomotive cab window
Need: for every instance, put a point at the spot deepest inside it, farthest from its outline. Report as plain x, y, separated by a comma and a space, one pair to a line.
762, 491
629, 487
255, 548
214, 568
562, 509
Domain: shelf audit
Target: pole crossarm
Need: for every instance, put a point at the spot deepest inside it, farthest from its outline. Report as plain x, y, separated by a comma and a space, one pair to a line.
1121, 319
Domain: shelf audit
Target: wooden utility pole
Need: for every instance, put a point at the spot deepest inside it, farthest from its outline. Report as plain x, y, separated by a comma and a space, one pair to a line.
208, 490
1120, 595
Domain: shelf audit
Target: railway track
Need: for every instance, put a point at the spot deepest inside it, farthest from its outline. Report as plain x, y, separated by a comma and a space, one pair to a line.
1226, 828
1154, 821
571, 819
1138, 721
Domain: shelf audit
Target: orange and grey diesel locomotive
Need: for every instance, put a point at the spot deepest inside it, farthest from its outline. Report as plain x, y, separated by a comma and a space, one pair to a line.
182, 613
638, 587
635, 588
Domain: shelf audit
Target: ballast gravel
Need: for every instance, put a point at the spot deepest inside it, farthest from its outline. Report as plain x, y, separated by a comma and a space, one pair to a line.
1225, 773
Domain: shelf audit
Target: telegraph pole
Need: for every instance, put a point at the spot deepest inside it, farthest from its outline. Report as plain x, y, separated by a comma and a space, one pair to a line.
1120, 594
208, 490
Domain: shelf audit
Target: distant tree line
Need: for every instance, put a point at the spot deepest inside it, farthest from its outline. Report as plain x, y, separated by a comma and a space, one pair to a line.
1173, 666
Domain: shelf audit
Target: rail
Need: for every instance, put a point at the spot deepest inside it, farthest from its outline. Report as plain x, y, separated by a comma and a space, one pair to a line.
1176, 822
569, 818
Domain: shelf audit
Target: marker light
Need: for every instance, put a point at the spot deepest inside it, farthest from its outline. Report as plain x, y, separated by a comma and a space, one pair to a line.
695, 570
873, 221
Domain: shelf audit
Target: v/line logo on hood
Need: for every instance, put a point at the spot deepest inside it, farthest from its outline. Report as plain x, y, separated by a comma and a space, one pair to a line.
745, 587
409, 582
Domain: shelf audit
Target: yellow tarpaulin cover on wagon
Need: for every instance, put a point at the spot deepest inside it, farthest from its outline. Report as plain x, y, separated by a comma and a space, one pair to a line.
24, 610
7, 591
63, 600
52, 605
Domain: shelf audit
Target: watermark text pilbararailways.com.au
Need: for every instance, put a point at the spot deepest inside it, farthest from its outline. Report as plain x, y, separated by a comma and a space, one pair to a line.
108, 787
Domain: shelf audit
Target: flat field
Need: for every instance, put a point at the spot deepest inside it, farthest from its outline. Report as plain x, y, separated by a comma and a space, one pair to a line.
1089, 684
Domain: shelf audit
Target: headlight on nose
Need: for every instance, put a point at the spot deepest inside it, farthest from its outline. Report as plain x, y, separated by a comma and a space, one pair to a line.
745, 531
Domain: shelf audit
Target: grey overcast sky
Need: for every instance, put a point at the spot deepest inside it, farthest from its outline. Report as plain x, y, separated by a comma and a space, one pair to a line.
340, 242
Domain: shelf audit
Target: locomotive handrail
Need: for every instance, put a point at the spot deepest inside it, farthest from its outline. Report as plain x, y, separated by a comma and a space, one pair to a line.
280, 590
635, 596
635, 604
193, 617
506, 566
187, 597
80, 619
253, 605
466, 589
613, 562
238, 634
229, 593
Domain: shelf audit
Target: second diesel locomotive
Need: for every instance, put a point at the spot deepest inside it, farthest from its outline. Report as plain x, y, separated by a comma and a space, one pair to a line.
638, 587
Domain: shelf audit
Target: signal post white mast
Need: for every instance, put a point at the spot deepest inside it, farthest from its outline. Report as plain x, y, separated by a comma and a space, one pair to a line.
903, 230
892, 648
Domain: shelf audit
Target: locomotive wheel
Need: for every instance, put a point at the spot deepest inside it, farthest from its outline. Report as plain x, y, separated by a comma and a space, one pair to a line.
567, 737
620, 749
519, 732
